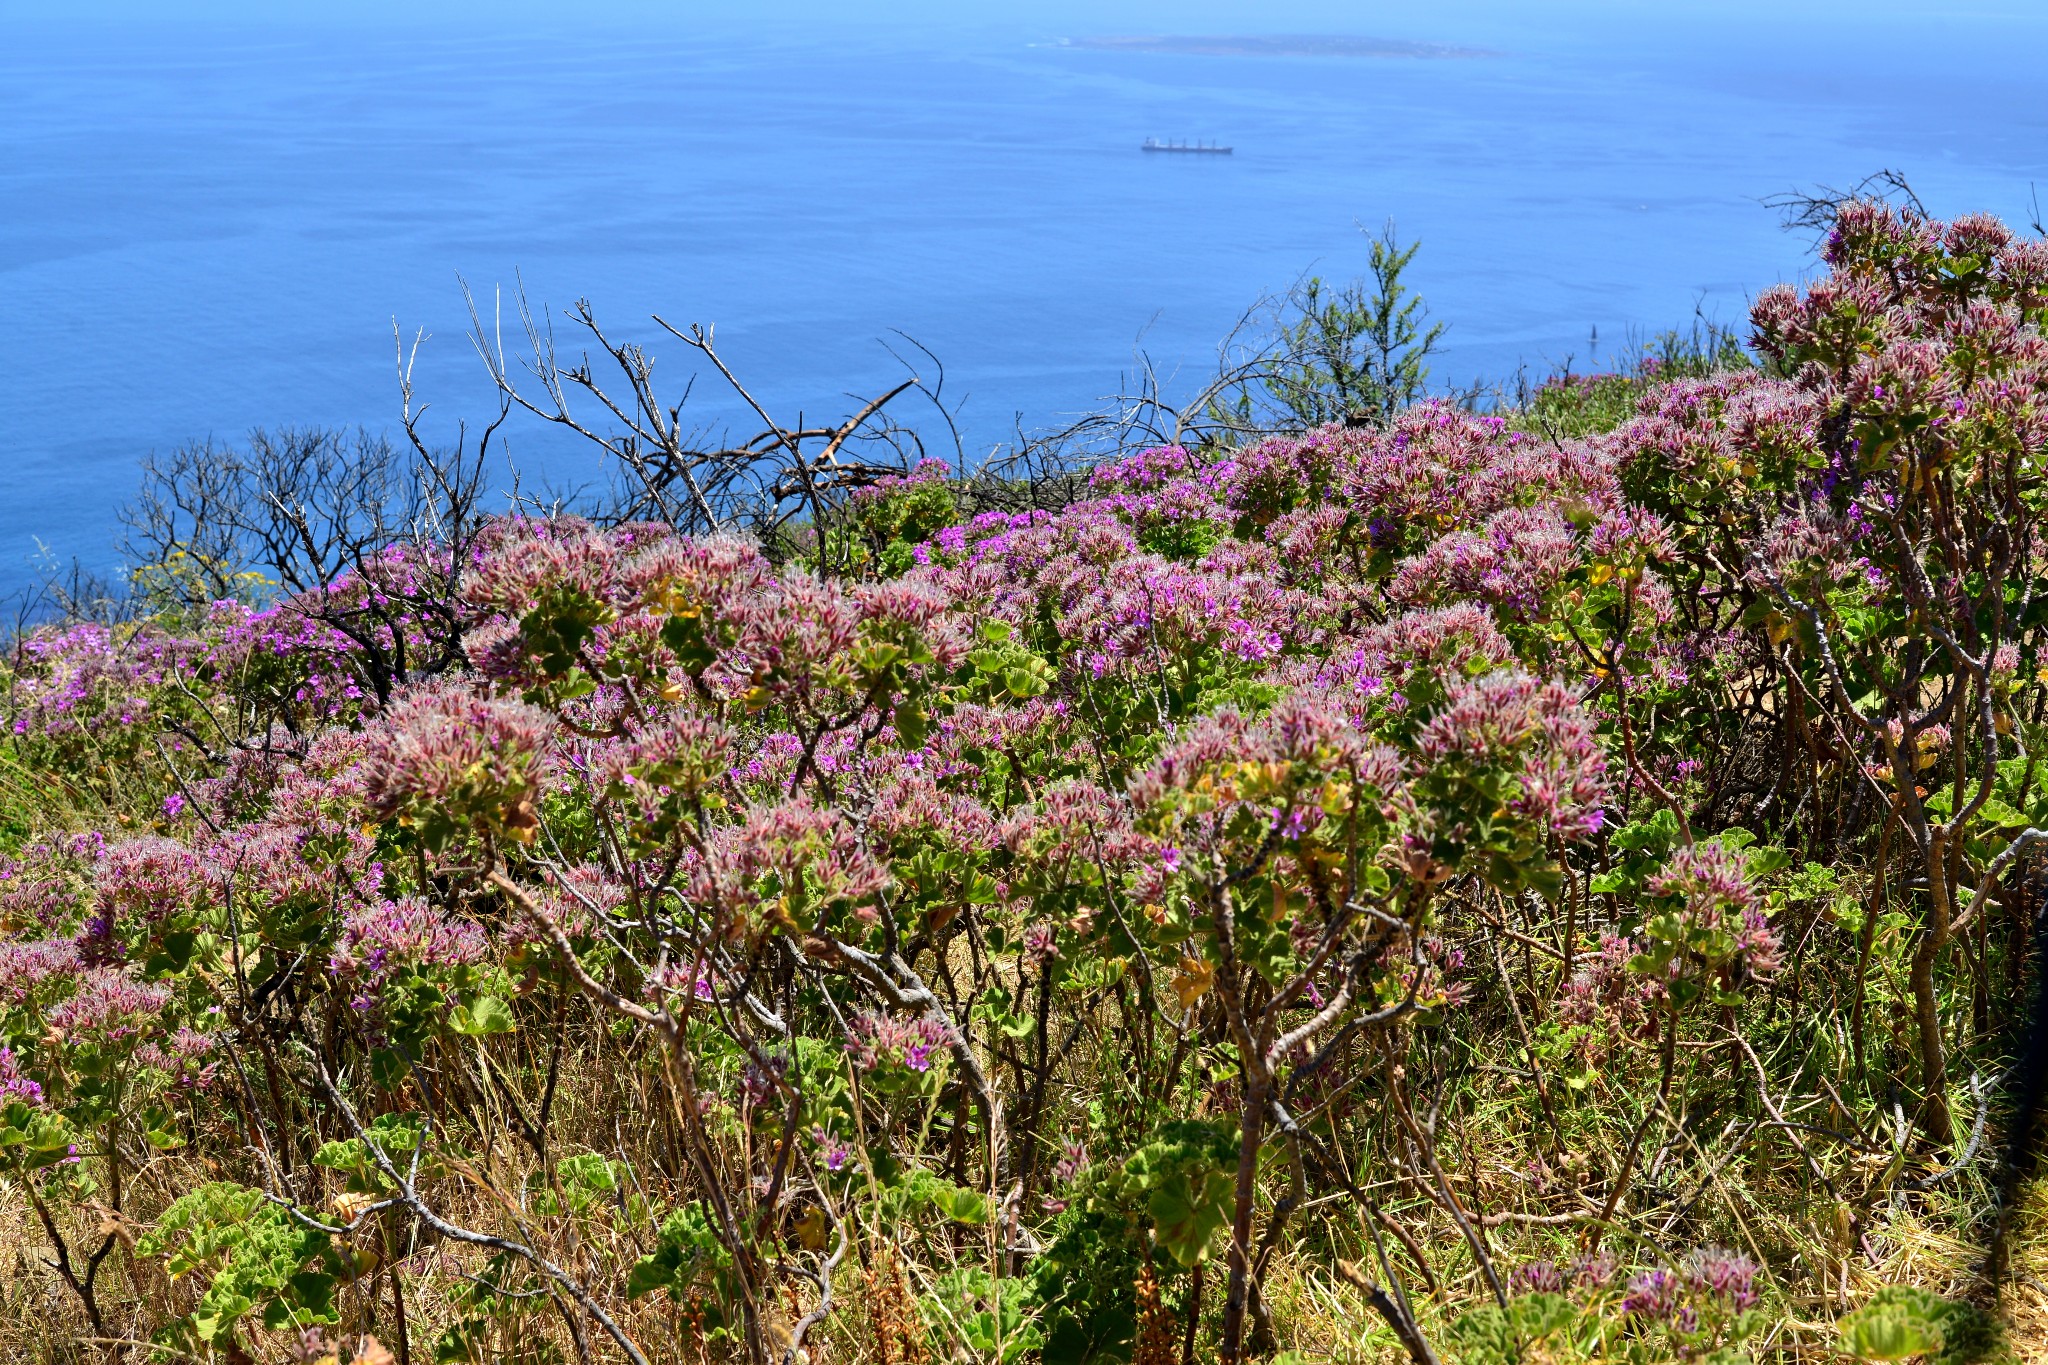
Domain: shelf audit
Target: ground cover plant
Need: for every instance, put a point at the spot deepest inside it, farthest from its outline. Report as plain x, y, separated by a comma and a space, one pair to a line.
1549, 884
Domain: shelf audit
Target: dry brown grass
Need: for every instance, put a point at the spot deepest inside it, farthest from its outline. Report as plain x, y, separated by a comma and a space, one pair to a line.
1316, 1313
1764, 1203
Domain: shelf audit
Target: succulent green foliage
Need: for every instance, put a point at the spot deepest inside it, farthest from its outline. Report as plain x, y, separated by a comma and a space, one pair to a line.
691, 1264
252, 1258
1533, 1327
33, 1138
1185, 1177
1901, 1322
994, 1320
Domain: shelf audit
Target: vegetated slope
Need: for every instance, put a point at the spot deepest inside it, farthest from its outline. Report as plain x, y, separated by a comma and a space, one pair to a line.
1466, 887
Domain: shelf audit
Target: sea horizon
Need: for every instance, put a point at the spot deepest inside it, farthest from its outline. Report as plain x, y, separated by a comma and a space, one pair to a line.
216, 226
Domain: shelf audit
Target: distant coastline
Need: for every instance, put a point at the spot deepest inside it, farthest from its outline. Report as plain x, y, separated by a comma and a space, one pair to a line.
1283, 45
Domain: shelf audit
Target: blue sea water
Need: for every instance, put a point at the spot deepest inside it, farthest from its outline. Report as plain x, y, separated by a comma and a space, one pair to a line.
210, 226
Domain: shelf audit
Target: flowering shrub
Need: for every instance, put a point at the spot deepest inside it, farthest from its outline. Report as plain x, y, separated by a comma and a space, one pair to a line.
1372, 846
1701, 1309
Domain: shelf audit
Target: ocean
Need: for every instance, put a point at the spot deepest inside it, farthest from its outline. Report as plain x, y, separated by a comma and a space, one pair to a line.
210, 227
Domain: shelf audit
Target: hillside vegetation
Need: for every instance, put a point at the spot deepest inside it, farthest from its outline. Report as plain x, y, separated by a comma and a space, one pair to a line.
1542, 885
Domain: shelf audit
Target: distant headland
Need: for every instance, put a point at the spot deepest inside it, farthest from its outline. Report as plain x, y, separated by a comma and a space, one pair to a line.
1281, 45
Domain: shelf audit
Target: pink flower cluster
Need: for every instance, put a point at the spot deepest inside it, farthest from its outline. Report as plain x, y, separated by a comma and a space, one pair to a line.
109, 1006
93, 680
15, 1085
377, 940
880, 1040
450, 747
784, 859
1714, 886
1606, 1001
1538, 730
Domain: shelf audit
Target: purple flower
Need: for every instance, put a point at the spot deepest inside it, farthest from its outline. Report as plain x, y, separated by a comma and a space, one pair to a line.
14, 1085
109, 1006
1652, 1294
1041, 945
762, 1077
24, 966
883, 1041
376, 940
1722, 1274
1536, 731
446, 750
837, 1156
1593, 1272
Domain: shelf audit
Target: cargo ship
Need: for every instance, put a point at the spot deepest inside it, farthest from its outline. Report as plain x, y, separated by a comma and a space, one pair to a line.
1153, 144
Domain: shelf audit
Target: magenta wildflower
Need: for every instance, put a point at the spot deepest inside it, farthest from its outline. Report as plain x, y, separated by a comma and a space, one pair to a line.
1652, 1294
1537, 1277
109, 1006
377, 940
15, 1085
1724, 1275
446, 752
911, 1044
836, 1155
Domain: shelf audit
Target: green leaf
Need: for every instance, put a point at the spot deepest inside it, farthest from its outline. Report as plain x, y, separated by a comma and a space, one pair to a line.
911, 725
313, 1294
685, 635
1901, 1322
1187, 1209
1187, 1171
648, 1274
1023, 683
1999, 815
1888, 1336
1765, 860
1543, 878
964, 1205
482, 1017
687, 1249
212, 1319
176, 954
